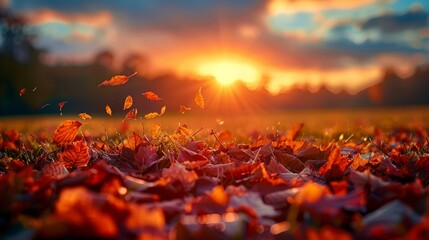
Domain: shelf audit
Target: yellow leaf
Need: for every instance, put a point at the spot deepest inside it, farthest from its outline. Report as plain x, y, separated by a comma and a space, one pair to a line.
84, 116
108, 110
128, 102
199, 100
162, 110
151, 115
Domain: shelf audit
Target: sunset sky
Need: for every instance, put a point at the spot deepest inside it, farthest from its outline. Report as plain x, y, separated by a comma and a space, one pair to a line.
339, 44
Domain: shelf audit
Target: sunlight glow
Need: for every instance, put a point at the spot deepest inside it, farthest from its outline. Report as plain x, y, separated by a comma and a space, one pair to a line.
227, 72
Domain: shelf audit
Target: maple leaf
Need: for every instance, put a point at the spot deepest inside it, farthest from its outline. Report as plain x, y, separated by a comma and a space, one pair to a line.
75, 155
108, 109
117, 80
151, 96
131, 114
199, 100
66, 132
22, 91
183, 109
128, 102
151, 115
334, 168
84, 116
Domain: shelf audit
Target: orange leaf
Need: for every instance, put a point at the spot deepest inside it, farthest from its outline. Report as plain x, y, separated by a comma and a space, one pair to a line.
151, 96
84, 116
334, 168
199, 100
66, 132
131, 114
151, 115
116, 80
75, 155
22, 91
128, 102
162, 110
108, 110
183, 109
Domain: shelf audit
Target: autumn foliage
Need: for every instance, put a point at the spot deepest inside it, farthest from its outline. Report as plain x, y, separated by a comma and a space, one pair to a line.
214, 184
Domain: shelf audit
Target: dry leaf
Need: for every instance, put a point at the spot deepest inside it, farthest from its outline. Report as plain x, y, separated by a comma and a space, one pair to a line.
128, 102
151, 115
108, 110
162, 110
151, 96
66, 132
131, 114
199, 100
76, 155
183, 109
22, 91
55, 169
84, 116
116, 80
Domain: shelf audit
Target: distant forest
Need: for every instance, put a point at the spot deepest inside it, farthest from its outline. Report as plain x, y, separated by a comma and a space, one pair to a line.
22, 66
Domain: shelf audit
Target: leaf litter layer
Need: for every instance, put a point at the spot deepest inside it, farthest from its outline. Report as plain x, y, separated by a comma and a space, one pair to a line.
192, 184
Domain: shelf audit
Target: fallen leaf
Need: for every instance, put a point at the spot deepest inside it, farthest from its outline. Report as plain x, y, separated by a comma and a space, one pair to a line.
117, 80
131, 114
55, 169
66, 132
146, 156
108, 110
334, 168
128, 102
75, 155
151, 115
151, 96
84, 116
22, 91
183, 109
199, 100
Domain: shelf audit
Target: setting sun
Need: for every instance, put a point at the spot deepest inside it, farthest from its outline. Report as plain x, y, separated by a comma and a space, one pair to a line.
227, 72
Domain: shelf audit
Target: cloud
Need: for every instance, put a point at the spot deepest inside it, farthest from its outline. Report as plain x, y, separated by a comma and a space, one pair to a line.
96, 19
276, 7
393, 23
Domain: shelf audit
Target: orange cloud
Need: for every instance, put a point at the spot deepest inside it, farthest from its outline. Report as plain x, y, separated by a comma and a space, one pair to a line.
98, 19
291, 6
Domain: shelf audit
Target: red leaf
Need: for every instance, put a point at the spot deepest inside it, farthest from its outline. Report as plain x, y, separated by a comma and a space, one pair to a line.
75, 155
131, 114
117, 80
146, 156
183, 109
22, 91
334, 168
66, 132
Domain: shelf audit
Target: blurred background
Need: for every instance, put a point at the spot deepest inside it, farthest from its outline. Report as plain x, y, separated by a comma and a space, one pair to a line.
246, 55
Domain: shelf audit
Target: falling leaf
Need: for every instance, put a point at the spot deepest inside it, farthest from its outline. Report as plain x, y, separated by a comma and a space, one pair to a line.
22, 91
75, 155
183, 109
131, 114
151, 96
61, 105
66, 132
162, 110
84, 116
128, 102
199, 100
151, 115
117, 80
108, 110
